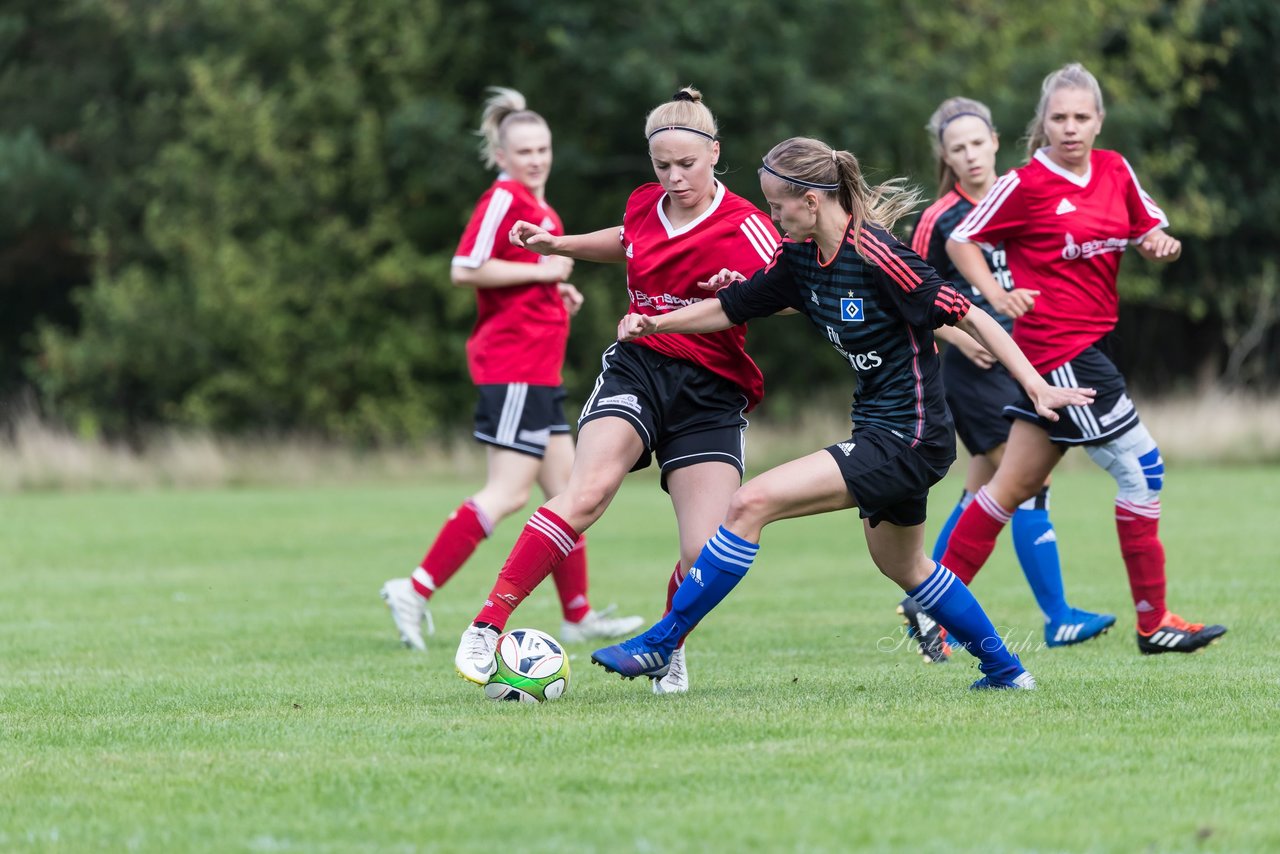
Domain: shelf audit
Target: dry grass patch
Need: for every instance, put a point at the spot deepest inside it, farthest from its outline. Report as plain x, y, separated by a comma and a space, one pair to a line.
1210, 428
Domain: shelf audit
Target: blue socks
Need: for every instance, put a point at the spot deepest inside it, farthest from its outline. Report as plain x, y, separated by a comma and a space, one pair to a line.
724, 560
1037, 548
1036, 544
945, 598
944, 536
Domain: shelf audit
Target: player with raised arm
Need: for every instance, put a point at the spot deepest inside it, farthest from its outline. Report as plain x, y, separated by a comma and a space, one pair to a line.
1066, 219
965, 143
679, 398
877, 303
514, 354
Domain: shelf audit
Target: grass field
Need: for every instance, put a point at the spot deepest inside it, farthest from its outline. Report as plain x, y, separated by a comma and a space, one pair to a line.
214, 671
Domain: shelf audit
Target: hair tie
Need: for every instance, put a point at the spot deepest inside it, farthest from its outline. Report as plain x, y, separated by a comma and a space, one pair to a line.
812, 185
702, 133
682, 95
833, 155
943, 126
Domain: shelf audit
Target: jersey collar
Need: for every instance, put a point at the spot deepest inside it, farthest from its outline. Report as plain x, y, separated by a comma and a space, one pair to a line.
702, 217
1065, 174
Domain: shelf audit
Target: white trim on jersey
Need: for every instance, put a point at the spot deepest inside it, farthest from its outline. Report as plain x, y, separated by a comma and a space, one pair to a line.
673, 232
1153, 210
760, 238
499, 204
1065, 174
978, 218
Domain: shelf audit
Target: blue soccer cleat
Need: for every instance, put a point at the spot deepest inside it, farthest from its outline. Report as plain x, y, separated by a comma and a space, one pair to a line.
1012, 677
645, 655
1077, 627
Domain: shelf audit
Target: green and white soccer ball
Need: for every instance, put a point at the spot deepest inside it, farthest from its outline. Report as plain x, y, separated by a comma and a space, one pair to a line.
531, 667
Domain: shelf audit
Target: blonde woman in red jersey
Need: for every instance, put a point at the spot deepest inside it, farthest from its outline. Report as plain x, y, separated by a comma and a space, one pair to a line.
1065, 220
514, 355
679, 398
964, 144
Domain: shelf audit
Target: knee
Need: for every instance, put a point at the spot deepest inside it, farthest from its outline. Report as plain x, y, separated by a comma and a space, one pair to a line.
1134, 462
588, 501
1010, 490
501, 503
749, 508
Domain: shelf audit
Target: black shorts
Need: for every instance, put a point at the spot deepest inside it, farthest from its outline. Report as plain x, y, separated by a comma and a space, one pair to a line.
977, 399
888, 478
520, 416
1112, 413
684, 414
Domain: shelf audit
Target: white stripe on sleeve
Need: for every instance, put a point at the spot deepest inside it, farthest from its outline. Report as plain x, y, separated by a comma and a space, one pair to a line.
499, 204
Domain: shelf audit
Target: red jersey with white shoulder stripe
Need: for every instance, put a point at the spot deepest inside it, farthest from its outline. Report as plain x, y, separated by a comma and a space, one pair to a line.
1064, 235
665, 264
521, 330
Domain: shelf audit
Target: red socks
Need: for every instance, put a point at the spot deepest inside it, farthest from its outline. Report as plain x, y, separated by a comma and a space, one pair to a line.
570, 576
1138, 527
974, 536
457, 540
673, 584
545, 541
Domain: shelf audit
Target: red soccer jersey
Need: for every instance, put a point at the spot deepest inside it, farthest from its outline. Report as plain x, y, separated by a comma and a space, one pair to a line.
665, 264
520, 331
1064, 235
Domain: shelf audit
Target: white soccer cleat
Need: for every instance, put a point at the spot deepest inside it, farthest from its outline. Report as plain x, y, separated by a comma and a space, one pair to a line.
409, 611
677, 679
598, 625
475, 659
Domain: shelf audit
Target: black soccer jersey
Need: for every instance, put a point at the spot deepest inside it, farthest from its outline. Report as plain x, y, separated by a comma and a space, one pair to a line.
929, 241
878, 308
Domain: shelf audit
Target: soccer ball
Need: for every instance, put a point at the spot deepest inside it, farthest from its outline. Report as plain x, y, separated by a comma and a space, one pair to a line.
531, 667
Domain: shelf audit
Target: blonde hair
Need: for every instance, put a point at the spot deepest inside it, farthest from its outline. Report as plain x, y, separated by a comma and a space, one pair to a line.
814, 162
684, 111
502, 109
1072, 76
947, 112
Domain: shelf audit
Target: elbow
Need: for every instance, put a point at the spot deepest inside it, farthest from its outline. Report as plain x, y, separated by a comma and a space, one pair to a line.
461, 276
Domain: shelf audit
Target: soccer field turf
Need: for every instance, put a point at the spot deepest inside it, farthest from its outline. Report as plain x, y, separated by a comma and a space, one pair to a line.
214, 671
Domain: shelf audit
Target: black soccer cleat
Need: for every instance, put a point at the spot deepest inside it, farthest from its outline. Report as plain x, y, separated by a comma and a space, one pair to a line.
1177, 635
929, 635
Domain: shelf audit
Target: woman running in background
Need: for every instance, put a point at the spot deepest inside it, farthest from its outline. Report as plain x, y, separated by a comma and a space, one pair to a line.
978, 388
514, 354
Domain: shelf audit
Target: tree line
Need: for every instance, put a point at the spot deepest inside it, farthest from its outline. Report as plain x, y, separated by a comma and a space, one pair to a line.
239, 215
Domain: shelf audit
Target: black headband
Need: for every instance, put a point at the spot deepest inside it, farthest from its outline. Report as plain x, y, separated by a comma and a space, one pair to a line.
702, 133
812, 185
943, 126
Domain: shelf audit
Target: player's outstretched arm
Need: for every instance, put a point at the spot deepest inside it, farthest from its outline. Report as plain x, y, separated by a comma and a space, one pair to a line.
972, 265
1045, 397
705, 316
497, 273
602, 245
967, 345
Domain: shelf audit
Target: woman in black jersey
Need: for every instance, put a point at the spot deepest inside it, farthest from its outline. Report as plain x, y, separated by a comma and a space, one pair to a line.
877, 303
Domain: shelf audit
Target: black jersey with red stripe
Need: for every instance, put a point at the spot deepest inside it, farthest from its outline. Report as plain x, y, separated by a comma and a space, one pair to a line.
877, 303
929, 241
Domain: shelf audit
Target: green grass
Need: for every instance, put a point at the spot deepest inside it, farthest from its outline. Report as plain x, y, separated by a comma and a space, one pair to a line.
214, 671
